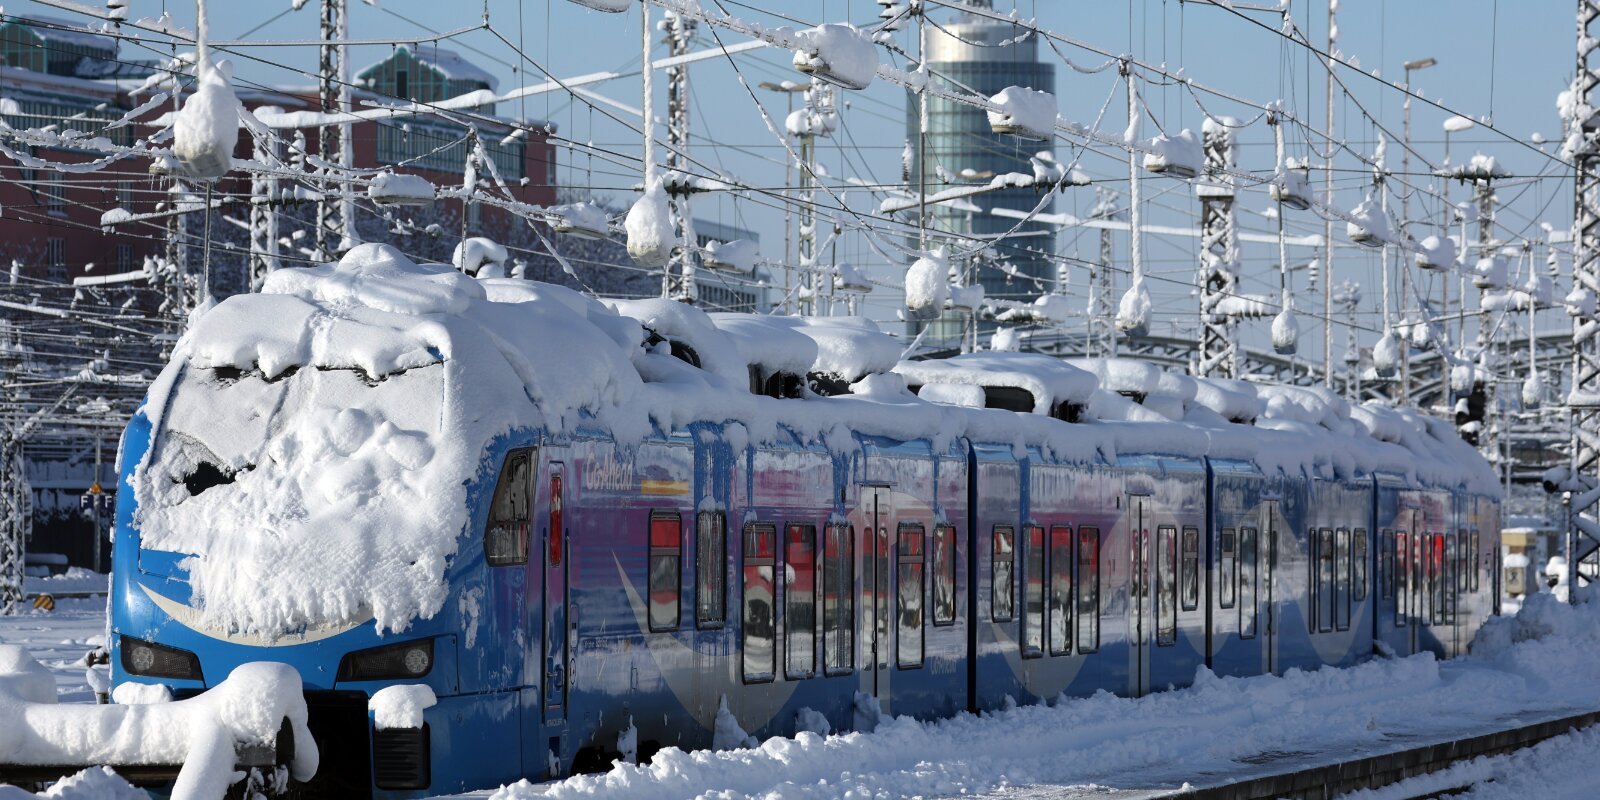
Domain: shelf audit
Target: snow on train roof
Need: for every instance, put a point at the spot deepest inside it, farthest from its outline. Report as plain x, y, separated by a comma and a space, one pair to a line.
416, 368
1049, 380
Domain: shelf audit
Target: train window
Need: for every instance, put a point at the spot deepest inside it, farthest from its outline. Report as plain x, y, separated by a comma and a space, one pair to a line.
1033, 593
1166, 585
558, 530
908, 644
666, 560
1190, 576
1402, 577
1472, 558
1247, 583
1358, 564
710, 568
1386, 547
1341, 580
944, 575
1228, 579
505, 538
759, 634
1325, 579
838, 599
1003, 583
1088, 589
1060, 590
1449, 584
800, 598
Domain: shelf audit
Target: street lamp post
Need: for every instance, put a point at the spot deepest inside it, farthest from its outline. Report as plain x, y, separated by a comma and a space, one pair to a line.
1405, 217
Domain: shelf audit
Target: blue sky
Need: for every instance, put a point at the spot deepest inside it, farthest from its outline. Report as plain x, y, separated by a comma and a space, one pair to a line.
1508, 59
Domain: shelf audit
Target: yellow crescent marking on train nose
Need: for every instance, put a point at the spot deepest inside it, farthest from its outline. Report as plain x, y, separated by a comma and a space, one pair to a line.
190, 617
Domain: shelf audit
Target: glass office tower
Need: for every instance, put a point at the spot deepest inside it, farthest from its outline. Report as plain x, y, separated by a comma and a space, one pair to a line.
961, 150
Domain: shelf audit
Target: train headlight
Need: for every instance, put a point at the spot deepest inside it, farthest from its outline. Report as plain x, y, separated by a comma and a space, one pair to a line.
151, 660
404, 660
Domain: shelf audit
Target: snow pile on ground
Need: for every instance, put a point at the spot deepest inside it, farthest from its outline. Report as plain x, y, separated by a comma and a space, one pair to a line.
837, 53
207, 126
1024, 112
94, 783
201, 733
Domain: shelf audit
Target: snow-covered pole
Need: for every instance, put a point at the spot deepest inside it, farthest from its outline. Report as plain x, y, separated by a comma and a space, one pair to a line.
349, 238
1327, 231
1133, 311
14, 519
647, 163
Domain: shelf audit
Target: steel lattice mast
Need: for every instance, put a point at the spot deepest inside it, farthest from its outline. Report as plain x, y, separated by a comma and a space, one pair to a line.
1583, 402
681, 269
1219, 257
335, 226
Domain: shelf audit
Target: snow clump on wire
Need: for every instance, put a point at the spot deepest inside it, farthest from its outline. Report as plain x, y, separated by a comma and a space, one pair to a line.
649, 227
1285, 332
207, 127
838, 54
1024, 113
928, 285
1133, 312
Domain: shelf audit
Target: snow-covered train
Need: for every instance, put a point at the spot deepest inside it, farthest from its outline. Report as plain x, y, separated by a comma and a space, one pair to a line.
592, 530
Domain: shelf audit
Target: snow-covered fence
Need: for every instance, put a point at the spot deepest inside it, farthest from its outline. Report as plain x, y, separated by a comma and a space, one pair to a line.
251, 724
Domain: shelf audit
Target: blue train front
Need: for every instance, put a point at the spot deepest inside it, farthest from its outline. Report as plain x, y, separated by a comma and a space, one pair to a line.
591, 533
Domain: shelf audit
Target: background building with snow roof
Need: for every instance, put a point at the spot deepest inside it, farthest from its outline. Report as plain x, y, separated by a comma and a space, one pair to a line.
962, 149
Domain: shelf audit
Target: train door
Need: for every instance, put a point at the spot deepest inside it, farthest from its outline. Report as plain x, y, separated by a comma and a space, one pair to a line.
875, 591
1413, 612
1142, 563
557, 627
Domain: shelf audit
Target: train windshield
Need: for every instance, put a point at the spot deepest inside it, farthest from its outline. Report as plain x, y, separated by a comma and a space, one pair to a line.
319, 489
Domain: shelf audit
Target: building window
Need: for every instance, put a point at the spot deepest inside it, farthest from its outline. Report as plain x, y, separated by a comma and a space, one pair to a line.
666, 566
402, 84
55, 259
55, 196
124, 258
